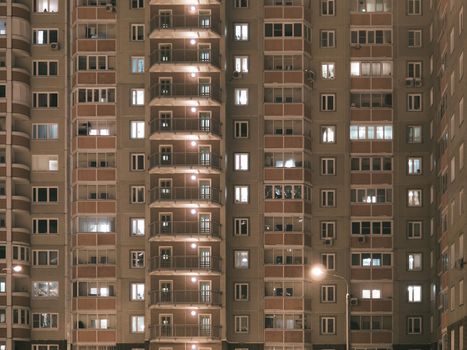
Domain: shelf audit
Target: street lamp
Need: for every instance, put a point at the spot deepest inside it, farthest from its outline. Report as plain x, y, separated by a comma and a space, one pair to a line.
319, 272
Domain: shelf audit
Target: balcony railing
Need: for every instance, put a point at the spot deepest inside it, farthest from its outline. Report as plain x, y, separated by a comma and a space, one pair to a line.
186, 56
185, 331
191, 91
190, 297
185, 159
187, 125
186, 263
185, 228
201, 194
187, 22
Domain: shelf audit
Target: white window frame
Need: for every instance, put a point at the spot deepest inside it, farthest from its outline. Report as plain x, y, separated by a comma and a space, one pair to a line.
241, 161
325, 166
238, 296
135, 191
238, 129
137, 64
240, 31
241, 194
325, 325
241, 96
241, 323
137, 129
135, 226
325, 201
135, 29
137, 97
135, 291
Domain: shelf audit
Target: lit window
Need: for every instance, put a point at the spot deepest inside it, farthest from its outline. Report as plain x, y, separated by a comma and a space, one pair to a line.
137, 291
137, 324
45, 289
241, 31
241, 194
241, 64
414, 294
328, 71
45, 6
414, 198
371, 294
2, 27
241, 161
137, 130
137, 97
137, 226
44, 320
241, 226
41, 36
241, 97
137, 64
328, 134
414, 261
414, 134
414, 166
137, 259
45, 162
241, 259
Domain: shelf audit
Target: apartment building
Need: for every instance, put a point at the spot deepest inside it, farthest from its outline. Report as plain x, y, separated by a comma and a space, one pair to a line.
171, 171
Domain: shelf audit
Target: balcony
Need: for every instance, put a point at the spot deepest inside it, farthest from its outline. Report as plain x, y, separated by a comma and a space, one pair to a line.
185, 60
185, 94
185, 196
186, 298
184, 26
184, 2
180, 128
185, 331
186, 263
180, 162
185, 229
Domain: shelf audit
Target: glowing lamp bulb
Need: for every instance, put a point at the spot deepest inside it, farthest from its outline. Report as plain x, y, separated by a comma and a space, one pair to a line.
193, 211
193, 245
193, 177
192, 8
193, 74
193, 109
193, 279
17, 268
193, 143
192, 41
193, 313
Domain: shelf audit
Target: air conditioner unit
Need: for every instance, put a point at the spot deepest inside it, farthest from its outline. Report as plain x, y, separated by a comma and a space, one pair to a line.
328, 241
409, 82
460, 263
236, 74
55, 46
109, 8
362, 239
418, 82
310, 75
353, 301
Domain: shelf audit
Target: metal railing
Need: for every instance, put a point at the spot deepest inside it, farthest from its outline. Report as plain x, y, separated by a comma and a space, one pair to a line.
187, 228
185, 331
192, 91
186, 262
198, 194
191, 125
206, 297
185, 159
187, 56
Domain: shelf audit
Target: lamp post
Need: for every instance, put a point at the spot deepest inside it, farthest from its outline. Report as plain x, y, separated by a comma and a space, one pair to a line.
319, 272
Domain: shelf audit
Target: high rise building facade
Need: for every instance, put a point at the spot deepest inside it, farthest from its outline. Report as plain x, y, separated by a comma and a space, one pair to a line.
171, 171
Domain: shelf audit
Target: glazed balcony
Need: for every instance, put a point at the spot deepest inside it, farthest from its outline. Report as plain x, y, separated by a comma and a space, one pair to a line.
186, 298
180, 128
180, 162
185, 60
185, 26
185, 229
189, 331
185, 94
184, 196
186, 263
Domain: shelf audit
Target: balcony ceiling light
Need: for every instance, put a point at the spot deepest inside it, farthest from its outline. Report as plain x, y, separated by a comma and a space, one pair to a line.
193, 279
193, 109
193, 211
193, 245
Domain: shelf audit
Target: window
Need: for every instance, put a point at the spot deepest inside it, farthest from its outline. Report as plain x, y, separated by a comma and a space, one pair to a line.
461, 293
241, 226
241, 259
371, 227
414, 261
461, 65
44, 320
328, 71
241, 291
328, 229
45, 194
44, 163
328, 325
328, 198
137, 194
328, 260
328, 293
2, 28
45, 68
45, 99
137, 226
137, 32
374, 164
328, 166
414, 7
371, 259
414, 70
241, 129
137, 259
461, 111
44, 36
137, 291
414, 166
45, 257
370, 37
241, 161
414, 198
137, 324
328, 8
360, 68
414, 230
45, 6
328, 134
461, 157
414, 294
282, 30
137, 64
241, 324
414, 134
41, 347
241, 31
414, 325
461, 19
137, 161
96, 95
327, 39
241, 97
95, 62
241, 64
371, 132
137, 4
371, 195
137, 97
328, 102
44, 226
414, 38
371, 293
45, 289
414, 102
241, 3
137, 129
241, 194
